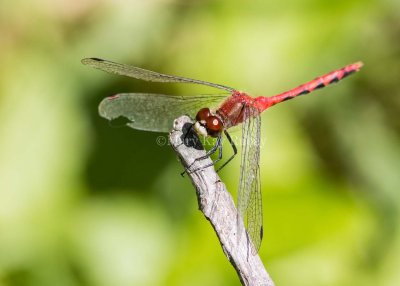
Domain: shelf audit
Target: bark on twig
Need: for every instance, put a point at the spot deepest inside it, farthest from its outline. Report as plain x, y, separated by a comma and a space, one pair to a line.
218, 207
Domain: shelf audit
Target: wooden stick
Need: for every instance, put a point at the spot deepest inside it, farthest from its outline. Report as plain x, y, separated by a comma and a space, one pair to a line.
217, 205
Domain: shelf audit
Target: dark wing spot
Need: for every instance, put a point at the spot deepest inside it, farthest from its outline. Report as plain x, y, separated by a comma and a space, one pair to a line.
97, 59
261, 232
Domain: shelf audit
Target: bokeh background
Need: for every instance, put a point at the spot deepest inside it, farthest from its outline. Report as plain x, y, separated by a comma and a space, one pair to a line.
83, 202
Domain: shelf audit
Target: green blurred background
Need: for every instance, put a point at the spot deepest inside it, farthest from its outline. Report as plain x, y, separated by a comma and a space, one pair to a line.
86, 203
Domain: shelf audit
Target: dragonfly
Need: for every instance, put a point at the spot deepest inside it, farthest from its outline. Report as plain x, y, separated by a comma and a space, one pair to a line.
214, 115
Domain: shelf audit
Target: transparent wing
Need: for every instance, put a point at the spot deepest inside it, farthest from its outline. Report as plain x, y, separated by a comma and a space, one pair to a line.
249, 194
155, 112
143, 74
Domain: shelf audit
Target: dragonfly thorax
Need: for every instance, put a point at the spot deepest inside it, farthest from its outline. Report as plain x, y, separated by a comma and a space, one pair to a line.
207, 123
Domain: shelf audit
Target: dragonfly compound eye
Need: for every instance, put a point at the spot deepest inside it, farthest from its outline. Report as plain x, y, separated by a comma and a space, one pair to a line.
203, 114
214, 126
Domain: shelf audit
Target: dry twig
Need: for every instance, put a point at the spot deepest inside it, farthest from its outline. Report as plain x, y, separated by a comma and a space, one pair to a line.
218, 207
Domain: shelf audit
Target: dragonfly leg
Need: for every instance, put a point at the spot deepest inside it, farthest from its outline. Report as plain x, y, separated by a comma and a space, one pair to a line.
213, 162
234, 150
218, 145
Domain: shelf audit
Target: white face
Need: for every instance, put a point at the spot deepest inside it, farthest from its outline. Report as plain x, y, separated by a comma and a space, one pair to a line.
201, 130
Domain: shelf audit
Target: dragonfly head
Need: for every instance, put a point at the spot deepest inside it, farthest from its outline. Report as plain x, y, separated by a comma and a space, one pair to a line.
208, 124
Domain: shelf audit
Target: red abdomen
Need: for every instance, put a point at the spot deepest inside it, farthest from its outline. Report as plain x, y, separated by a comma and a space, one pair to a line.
240, 106
263, 102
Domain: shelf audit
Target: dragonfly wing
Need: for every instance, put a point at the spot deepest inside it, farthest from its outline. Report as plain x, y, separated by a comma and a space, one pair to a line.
249, 194
155, 112
143, 74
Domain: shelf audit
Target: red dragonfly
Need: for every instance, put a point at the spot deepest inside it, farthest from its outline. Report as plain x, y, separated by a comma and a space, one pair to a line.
214, 114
